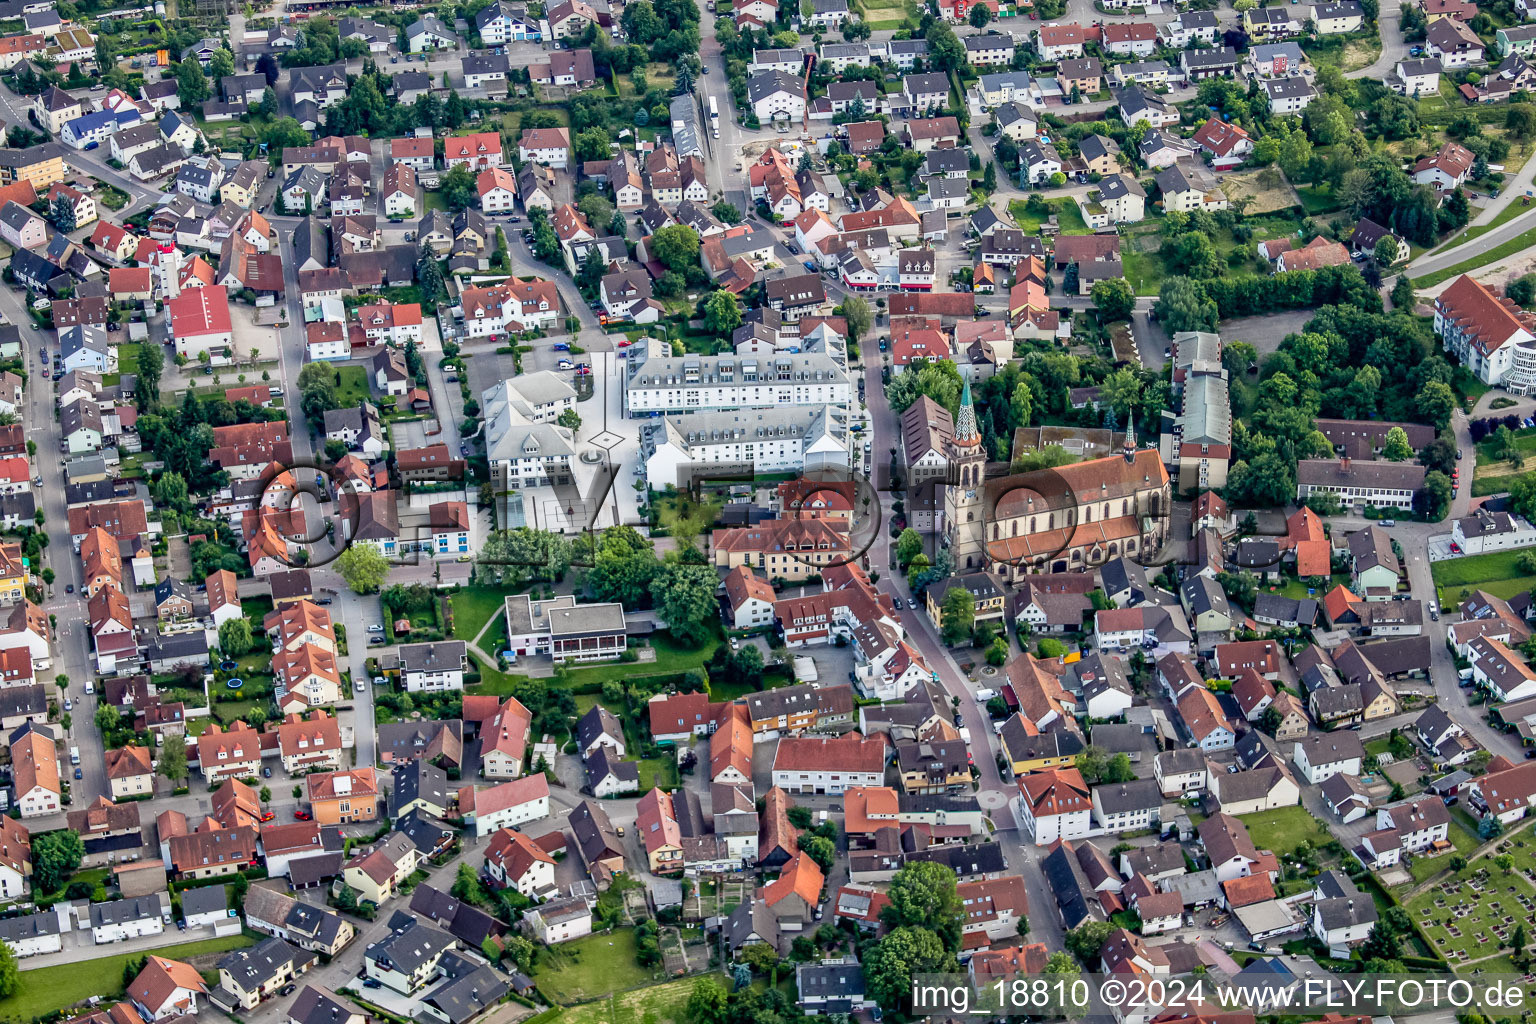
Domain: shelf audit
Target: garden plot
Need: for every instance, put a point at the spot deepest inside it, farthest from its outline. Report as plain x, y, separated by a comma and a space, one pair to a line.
1267, 188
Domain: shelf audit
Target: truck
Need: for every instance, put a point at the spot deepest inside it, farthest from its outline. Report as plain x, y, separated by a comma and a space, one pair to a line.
714, 117
74, 755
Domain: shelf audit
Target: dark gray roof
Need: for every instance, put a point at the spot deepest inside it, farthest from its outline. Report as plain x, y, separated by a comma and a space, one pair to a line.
259, 964
316, 1004
597, 722
600, 766
205, 900
1067, 883
471, 988
411, 944
467, 923
417, 780
19, 929
1120, 797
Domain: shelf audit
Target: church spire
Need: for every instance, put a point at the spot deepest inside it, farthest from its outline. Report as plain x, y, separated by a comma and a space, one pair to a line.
1130, 437
965, 426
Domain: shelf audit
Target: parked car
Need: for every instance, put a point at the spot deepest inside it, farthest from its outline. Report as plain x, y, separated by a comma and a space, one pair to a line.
376, 641
79, 774
302, 816
267, 816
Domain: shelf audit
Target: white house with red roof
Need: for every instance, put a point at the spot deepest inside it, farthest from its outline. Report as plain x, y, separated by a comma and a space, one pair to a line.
498, 190
1489, 334
477, 151
1054, 804
199, 321
1447, 169
505, 805
1228, 144
548, 146
391, 323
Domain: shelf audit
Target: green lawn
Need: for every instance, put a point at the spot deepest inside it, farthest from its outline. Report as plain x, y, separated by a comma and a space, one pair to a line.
658, 1004
474, 606
1525, 440
1524, 240
1463, 839
1068, 217
657, 772
1144, 270
1282, 829
1317, 199
49, 989
1496, 573
588, 968
671, 657
351, 385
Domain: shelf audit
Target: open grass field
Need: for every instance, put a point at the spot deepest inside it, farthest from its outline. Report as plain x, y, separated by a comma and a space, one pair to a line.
1525, 440
474, 606
881, 15
1069, 219
662, 1004
588, 968
49, 989
1283, 829
1345, 54
1496, 572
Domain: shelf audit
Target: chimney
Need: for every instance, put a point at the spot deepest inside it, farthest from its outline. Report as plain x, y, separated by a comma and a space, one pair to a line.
1344, 463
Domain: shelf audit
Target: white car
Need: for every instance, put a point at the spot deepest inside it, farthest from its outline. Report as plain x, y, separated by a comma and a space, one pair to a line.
90, 687
376, 628
360, 686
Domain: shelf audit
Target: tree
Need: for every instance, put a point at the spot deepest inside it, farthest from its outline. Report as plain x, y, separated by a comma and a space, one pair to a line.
1085, 941
1505, 862
1435, 402
108, 718
55, 856
1115, 299
1061, 962
1270, 720
1396, 447
1520, 120
514, 557
676, 246
1387, 250
172, 765
685, 597
908, 545
362, 568
317, 389
458, 188
10, 974
980, 15
892, 963
1402, 293
958, 615
1183, 305
467, 887
706, 1003
745, 665
429, 274
856, 312
722, 312
191, 83
1522, 290
235, 637
725, 213
820, 850
151, 364
1490, 827
923, 895
761, 957
62, 213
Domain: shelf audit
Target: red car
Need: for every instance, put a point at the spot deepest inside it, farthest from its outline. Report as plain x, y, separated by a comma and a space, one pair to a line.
302, 816
267, 816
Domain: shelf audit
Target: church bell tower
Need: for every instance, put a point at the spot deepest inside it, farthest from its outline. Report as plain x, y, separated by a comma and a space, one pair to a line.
963, 511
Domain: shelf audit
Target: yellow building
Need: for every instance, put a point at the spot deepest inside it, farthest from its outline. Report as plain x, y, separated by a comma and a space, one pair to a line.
41, 165
987, 591
1029, 750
